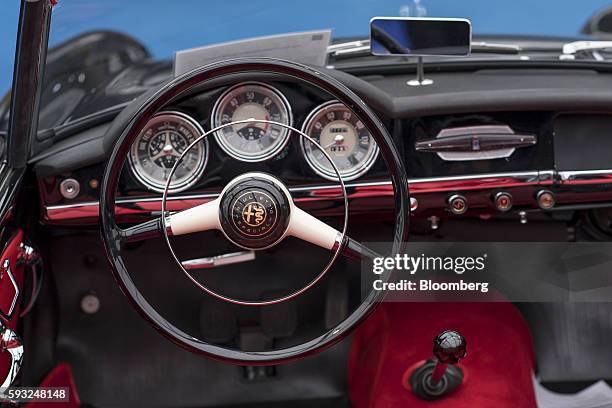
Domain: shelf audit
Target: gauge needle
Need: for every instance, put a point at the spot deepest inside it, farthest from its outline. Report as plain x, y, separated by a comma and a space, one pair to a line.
167, 150
338, 140
256, 122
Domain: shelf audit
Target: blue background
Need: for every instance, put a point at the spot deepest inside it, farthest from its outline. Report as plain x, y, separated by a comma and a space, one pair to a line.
165, 26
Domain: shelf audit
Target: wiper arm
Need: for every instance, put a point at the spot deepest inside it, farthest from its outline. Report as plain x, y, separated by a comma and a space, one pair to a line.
349, 47
571, 49
496, 48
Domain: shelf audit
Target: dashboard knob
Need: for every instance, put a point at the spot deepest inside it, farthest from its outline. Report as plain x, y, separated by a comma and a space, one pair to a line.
546, 199
70, 188
414, 204
503, 201
457, 204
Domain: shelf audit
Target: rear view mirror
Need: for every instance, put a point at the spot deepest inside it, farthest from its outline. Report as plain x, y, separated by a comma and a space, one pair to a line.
420, 36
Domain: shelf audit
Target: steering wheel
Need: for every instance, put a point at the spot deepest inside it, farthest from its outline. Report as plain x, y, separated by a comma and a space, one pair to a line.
264, 191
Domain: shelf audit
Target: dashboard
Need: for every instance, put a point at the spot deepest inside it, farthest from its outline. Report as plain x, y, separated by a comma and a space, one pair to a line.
464, 157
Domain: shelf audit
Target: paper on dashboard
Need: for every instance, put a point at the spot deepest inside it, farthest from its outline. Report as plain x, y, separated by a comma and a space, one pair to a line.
308, 48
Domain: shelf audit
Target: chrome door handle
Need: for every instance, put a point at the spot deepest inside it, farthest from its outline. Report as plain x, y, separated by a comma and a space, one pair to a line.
472, 142
483, 142
10, 342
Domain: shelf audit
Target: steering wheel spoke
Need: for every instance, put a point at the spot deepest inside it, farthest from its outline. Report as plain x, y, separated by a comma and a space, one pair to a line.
203, 217
311, 229
142, 232
356, 251
200, 218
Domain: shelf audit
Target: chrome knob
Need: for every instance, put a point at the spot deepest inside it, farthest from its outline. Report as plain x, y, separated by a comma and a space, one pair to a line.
70, 188
546, 199
503, 201
457, 204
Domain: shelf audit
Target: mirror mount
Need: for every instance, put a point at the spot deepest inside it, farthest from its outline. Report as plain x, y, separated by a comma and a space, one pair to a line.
410, 36
420, 79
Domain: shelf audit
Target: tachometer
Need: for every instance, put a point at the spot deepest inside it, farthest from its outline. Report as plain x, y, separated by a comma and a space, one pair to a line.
255, 141
158, 147
343, 136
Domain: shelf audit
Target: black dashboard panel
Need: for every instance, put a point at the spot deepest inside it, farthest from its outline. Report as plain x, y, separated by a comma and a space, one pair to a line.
583, 141
427, 164
289, 164
506, 86
529, 101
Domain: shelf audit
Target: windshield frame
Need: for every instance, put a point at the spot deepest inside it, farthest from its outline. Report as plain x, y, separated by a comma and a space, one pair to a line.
28, 73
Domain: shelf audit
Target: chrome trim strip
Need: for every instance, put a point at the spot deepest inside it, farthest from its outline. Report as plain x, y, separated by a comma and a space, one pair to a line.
212, 195
583, 175
134, 200
7, 268
544, 177
219, 260
529, 176
547, 176
333, 186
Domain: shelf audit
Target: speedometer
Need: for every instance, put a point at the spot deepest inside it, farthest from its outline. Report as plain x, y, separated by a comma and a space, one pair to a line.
255, 141
345, 139
159, 146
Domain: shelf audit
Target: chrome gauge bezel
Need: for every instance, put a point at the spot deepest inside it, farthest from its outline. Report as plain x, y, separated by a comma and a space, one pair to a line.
366, 165
281, 141
196, 174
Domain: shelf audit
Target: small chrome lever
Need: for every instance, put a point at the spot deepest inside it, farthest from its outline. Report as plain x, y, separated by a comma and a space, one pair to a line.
11, 343
219, 260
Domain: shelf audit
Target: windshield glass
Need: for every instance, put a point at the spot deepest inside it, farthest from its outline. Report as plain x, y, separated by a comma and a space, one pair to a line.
166, 26
163, 27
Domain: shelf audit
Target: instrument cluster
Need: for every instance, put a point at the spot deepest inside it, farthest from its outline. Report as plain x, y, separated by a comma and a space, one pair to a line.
171, 133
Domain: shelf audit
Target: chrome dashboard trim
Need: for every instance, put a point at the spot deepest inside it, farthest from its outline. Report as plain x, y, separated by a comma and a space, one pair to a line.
530, 176
357, 190
218, 260
6, 267
585, 176
348, 185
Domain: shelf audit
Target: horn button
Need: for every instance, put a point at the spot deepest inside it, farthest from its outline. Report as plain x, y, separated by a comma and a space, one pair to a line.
255, 211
